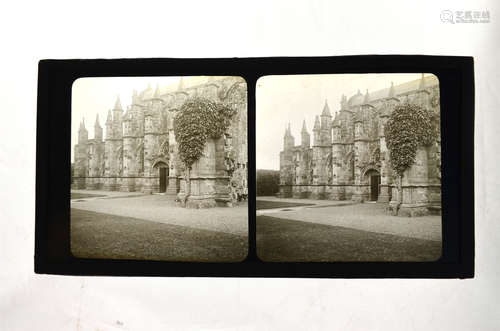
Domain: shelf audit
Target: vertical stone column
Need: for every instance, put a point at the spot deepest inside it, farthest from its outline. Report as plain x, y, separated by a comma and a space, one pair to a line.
348, 170
128, 181
415, 195
222, 181
173, 173
109, 159
150, 182
394, 203
324, 170
338, 190
302, 182
138, 166
415, 186
93, 167
434, 166
318, 171
385, 172
385, 167
359, 194
307, 173
203, 177
296, 170
147, 186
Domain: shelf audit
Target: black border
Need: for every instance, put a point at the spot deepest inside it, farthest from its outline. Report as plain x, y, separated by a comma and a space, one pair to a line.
55, 78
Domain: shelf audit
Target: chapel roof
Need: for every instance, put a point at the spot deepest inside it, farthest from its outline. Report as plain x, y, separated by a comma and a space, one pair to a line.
394, 90
184, 83
356, 99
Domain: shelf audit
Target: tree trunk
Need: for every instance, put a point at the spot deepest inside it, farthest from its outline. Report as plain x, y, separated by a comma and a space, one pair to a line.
400, 191
187, 178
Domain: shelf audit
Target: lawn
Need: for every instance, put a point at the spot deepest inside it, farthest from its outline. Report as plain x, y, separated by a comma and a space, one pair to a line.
264, 204
84, 195
294, 241
97, 235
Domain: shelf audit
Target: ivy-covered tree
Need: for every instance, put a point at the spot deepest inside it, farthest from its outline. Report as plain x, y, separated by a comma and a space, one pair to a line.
408, 128
197, 120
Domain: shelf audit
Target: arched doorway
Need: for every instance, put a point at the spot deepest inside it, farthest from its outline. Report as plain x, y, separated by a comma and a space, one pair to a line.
163, 179
373, 177
162, 168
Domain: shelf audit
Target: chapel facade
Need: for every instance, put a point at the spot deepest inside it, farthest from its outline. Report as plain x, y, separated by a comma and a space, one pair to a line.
347, 157
137, 151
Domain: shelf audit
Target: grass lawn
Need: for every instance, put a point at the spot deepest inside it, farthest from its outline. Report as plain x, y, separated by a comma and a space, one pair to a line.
263, 204
84, 195
97, 235
294, 241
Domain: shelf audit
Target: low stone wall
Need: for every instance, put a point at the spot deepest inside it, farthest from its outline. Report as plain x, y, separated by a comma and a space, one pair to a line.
415, 201
124, 184
323, 192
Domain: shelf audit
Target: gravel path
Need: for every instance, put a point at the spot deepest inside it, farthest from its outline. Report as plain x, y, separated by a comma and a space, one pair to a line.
368, 217
162, 209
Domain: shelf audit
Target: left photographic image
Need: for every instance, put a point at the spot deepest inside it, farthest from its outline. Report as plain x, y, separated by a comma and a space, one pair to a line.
159, 168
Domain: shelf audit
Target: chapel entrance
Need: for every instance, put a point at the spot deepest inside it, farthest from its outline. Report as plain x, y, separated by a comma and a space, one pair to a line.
163, 179
161, 170
374, 187
372, 178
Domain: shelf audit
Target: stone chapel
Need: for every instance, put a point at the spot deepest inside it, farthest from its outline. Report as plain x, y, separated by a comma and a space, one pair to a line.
347, 157
136, 152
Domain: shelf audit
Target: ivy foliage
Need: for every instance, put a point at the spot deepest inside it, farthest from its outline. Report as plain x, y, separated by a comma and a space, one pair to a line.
197, 120
408, 128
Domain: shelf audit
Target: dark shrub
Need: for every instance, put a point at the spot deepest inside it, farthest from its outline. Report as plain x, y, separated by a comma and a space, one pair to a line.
267, 182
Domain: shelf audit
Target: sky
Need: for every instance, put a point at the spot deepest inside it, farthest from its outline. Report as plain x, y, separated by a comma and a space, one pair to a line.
293, 98
92, 96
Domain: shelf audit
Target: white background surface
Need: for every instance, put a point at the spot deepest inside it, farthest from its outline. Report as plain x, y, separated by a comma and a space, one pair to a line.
31, 31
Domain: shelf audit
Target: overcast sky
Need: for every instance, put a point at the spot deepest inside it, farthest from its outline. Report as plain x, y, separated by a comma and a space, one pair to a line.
293, 98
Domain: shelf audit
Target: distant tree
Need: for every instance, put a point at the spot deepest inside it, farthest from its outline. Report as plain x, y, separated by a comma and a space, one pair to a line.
267, 182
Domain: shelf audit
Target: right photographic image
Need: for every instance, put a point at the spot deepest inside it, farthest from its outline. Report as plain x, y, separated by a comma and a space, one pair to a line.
348, 168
